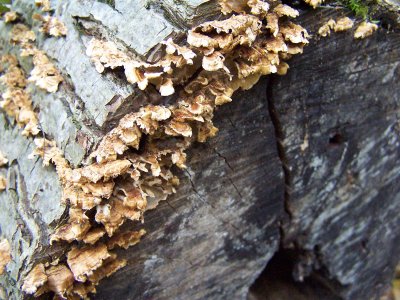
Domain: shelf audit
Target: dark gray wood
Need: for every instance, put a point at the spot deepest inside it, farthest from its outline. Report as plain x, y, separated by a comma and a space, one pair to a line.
342, 98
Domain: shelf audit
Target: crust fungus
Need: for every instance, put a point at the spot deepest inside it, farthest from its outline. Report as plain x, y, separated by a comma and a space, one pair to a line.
5, 253
364, 30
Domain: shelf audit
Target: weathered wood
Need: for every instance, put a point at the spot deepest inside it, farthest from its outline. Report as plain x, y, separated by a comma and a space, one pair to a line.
338, 112
214, 236
335, 117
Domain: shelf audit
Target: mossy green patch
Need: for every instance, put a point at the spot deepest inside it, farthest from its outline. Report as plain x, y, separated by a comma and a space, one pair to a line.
361, 8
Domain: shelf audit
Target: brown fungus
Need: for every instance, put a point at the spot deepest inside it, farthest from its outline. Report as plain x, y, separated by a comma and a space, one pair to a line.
35, 279
5, 252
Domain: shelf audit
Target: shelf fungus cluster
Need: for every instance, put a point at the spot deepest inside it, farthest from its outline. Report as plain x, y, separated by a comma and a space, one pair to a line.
363, 30
339, 25
131, 169
15, 100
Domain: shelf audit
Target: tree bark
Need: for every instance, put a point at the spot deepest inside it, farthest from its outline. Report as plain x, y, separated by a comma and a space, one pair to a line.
298, 192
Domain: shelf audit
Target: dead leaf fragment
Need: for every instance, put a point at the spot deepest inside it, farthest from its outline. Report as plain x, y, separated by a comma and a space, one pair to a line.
364, 30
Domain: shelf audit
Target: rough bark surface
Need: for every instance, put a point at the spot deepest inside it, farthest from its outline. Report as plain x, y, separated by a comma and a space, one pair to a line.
303, 175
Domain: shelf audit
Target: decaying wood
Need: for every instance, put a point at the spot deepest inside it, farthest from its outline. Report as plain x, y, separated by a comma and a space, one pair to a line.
306, 163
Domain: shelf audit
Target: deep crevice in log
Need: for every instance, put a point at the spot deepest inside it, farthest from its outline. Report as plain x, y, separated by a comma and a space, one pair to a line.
277, 281
279, 136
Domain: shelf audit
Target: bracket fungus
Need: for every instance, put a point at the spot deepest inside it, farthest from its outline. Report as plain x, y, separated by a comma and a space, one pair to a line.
342, 24
365, 29
131, 169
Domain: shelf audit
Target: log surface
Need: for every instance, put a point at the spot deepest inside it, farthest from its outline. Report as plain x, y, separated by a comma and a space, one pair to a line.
303, 173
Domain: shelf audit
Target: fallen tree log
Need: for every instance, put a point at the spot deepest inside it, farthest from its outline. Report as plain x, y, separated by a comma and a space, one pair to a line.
302, 176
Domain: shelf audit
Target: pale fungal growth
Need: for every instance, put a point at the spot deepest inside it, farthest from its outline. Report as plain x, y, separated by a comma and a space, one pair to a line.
51, 25
36, 278
5, 254
10, 16
109, 267
162, 74
60, 280
285, 10
343, 24
44, 74
125, 239
132, 168
314, 3
43, 4
365, 29
3, 160
325, 29
3, 183
84, 261
21, 34
16, 101
105, 54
